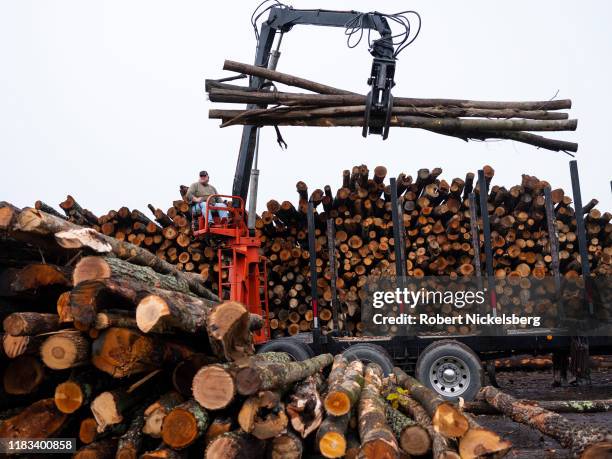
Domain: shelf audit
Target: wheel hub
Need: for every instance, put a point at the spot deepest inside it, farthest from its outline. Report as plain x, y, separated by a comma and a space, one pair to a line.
449, 376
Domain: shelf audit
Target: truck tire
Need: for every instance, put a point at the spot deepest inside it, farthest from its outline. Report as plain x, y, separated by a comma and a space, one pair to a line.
296, 349
370, 353
451, 369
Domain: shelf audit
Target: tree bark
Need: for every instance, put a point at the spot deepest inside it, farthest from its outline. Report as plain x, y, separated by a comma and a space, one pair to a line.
265, 376
121, 352
286, 446
72, 236
30, 323
235, 445
557, 406
377, 439
412, 437
263, 415
577, 437
184, 425
155, 413
39, 420
65, 349
331, 436
343, 392
445, 417
305, 408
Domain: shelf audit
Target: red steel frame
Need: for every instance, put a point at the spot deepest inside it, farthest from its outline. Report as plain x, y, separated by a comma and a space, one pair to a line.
247, 276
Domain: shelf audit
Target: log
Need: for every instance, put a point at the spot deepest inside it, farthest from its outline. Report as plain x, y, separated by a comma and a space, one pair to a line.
440, 446
445, 417
377, 438
39, 420
218, 426
185, 371
102, 449
228, 327
30, 323
557, 406
305, 408
397, 101
335, 105
155, 413
286, 446
14, 346
70, 236
110, 408
37, 275
172, 312
121, 352
163, 452
581, 439
343, 393
481, 442
115, 318
263, 415
214, 386
331, 436
235, 445
23, 375
115, 269
265, 376
184, 424
78, 390
411, 437
65, 349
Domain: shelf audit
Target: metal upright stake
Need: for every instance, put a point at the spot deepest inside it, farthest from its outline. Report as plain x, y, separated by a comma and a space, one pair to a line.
582, 244
554, 246
398, 240
313, 264
486, 230
331, 251
475, 241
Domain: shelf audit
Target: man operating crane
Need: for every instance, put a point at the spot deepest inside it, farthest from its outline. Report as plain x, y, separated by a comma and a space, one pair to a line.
198, 193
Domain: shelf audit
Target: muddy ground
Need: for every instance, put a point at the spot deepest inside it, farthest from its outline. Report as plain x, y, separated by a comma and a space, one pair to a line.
536, 385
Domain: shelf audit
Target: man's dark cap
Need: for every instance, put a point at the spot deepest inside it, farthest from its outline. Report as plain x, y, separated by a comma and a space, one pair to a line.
203, 173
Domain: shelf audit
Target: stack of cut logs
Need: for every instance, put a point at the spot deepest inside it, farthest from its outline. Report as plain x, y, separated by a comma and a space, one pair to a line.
107, 343
437, 235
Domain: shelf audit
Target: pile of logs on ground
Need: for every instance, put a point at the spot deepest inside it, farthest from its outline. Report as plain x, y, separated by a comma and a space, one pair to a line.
326, 106
437, 235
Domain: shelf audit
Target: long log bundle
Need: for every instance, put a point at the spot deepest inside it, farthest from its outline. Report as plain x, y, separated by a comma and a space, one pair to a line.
330, 107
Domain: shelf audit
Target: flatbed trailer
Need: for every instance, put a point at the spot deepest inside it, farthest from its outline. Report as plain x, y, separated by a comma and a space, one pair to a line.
452, 364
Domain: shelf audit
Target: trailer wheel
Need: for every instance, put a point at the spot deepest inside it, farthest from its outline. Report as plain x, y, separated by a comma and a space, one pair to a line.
451, 369
370, 353
296, 349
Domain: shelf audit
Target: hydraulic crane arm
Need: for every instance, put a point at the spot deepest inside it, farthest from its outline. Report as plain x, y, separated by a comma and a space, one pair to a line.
282, 19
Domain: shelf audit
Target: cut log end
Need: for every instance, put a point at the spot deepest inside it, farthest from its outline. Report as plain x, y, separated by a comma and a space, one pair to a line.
88, 430
332, 444
91, 268
68, 397
150, 310
213, 387
180, 428
248, 381
415, 440
337, 403
378, 449
105, 411
64, 350
478, 442
449, 421
598, 451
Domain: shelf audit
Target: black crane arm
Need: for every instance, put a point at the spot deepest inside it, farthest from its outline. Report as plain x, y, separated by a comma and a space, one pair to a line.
282, 19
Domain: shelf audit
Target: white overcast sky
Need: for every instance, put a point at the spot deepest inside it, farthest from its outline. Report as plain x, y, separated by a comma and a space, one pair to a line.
105, 99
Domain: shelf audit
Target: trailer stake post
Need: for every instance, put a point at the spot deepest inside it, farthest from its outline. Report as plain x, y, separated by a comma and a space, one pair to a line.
331, 251
398, 239
553, 241
582, 244
486, 229
316, 332
475, 241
